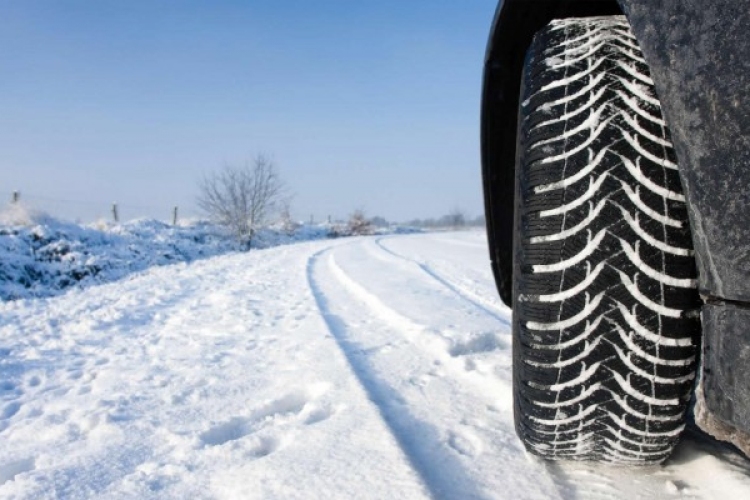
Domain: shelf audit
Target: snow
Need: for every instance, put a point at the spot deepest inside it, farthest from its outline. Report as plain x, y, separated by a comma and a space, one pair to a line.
369, 368
41, 256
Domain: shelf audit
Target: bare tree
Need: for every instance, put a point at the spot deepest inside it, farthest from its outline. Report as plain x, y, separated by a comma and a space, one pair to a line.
288, 224
359, 224
456, 218
242, 198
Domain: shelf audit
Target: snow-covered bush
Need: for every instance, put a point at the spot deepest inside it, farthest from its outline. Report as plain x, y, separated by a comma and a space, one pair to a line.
41, 256
359, 224
18, 214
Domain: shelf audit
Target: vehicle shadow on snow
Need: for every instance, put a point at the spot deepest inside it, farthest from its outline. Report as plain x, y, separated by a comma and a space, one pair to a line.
695, 444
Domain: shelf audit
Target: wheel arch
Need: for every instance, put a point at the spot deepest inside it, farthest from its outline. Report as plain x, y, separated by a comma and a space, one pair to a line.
701, 80
513, 28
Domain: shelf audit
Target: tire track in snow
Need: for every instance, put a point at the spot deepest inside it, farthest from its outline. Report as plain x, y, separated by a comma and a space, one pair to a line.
590, 481
404, 427
458, 290
571, 481
431, 341
214, 374
457, 441
467, 436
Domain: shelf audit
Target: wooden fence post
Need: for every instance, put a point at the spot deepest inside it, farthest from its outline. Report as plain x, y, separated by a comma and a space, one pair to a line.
114, 212
16, 196
174, 217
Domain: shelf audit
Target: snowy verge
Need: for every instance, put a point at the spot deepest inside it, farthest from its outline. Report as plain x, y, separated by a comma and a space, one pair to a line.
41, 256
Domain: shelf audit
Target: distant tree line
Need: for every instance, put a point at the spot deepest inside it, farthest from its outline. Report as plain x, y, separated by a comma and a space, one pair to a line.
455, 219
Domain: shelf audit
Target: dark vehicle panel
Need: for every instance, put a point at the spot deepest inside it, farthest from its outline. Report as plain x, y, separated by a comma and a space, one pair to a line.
699, 55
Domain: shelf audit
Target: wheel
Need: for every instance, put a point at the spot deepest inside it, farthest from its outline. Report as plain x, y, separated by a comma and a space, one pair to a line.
605, 304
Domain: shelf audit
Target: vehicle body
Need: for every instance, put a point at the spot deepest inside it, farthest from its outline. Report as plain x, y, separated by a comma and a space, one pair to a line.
698, 54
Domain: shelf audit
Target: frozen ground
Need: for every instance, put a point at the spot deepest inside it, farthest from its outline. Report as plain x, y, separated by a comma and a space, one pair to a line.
373, 367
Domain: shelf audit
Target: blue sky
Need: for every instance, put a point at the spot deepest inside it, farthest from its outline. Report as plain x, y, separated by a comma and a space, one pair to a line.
370, 104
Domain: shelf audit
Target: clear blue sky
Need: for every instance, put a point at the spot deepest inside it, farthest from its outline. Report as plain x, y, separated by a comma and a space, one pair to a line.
369, 104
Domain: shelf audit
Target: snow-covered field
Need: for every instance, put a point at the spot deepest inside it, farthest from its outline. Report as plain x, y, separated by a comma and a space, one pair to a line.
375, 367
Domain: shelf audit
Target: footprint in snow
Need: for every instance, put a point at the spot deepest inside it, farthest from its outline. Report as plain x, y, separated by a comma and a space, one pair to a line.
314, 414
7, 386
9, 410
475, 365
295, 407
465, 443
263, 446
10, 470
234, 429
422, 381
485, 342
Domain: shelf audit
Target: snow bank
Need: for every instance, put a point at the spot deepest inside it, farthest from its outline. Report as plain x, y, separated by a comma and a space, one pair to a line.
41, 256
45, 257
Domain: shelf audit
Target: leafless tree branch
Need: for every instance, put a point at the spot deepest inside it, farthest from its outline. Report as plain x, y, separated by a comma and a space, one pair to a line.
242, 198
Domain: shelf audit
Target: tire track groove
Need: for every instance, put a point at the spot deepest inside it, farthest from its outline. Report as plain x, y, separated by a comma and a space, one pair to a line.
442, 475
447, 284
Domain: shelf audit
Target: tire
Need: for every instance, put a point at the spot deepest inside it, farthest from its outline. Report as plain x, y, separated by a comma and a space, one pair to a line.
605, 317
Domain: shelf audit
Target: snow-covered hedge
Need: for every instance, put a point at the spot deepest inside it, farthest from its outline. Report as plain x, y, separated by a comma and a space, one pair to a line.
48, 256
41, 256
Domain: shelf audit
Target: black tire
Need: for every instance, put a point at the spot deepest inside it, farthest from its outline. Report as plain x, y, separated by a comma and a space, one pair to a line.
605, 304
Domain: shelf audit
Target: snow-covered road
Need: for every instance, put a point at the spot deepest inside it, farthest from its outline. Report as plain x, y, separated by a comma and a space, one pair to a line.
360, 368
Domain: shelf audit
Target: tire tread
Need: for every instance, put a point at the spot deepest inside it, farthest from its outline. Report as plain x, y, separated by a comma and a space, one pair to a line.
604, 371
